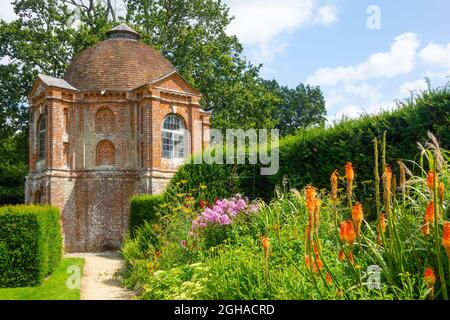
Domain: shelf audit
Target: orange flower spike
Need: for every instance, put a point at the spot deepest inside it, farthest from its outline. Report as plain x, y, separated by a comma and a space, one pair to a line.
429, 277
319, 265
425, 229
357, 216
383, 222
430, 179
388, 173
350, 258
328, 278
341, 255
429, 214
316, 251
446, 238
307, 262
310, 199
441, 190
266, 245
334, 184
351, 235
349, 173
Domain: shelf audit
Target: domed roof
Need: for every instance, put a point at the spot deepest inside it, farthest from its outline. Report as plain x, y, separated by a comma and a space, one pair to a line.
119, 63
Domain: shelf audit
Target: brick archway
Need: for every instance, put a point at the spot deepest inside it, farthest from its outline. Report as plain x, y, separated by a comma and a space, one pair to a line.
104, 121
105, 153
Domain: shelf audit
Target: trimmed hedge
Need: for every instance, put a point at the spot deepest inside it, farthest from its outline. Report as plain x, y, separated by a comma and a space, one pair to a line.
143, 208
30, 244
311, 155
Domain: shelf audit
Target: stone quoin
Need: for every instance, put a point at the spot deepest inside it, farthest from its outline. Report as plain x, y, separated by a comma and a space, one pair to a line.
119, 123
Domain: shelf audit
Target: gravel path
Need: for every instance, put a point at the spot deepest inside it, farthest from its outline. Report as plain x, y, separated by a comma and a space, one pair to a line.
101, 279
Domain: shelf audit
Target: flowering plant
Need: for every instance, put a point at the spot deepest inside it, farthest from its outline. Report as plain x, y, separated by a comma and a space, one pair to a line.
223, 212
213, 221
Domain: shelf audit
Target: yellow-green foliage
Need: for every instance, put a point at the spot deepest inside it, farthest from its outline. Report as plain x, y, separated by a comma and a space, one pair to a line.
30, 244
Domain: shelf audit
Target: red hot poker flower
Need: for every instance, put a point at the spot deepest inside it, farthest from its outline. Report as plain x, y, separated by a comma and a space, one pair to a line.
429, 277
429, 214
334, 184
430, 179
349, 173
446, 238
357, 216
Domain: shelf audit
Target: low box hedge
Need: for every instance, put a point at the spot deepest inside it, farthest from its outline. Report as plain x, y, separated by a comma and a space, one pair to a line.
30, 244
143, 208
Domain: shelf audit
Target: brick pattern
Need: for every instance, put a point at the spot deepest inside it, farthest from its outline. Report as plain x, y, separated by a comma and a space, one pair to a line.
104, 121
103, 147
105, 154
133, 62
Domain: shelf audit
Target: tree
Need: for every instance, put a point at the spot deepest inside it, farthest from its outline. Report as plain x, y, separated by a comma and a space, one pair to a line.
300, 107
192, 35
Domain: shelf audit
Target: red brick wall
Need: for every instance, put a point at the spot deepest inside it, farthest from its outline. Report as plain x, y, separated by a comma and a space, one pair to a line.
93, 195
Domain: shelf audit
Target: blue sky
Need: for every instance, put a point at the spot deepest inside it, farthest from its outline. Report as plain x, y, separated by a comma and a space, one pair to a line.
328, 43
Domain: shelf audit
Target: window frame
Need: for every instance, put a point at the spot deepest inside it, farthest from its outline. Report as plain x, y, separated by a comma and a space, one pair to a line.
41, 137
173, 137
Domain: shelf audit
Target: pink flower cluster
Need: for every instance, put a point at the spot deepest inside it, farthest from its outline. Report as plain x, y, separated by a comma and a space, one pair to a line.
224, 211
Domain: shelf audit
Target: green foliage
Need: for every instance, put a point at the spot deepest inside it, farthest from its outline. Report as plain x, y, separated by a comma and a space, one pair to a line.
312, 155
192, 34
54, 288
301, 107
30, 245
240, 268
207, 181
143, 209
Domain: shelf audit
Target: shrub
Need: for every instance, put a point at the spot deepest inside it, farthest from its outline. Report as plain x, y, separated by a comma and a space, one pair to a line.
30, 244
143, 208
218, 180
309, 156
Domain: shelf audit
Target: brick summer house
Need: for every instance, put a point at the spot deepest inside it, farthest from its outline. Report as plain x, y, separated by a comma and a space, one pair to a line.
119, 123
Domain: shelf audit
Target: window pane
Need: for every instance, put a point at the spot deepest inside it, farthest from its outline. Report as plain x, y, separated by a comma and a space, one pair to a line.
167, 144
172, 137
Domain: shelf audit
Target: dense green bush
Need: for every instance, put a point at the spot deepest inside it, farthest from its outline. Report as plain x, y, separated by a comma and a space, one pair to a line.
30, 244
218, 180
143, 208
313, 154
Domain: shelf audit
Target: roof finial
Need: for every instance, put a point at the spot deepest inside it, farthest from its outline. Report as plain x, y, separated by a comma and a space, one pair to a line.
123, 31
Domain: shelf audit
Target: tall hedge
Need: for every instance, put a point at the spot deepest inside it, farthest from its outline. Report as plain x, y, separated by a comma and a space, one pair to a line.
311, 155
143, 208
30, 244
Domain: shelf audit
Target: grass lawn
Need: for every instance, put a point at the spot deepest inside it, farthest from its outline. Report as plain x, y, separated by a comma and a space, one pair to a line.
53, 288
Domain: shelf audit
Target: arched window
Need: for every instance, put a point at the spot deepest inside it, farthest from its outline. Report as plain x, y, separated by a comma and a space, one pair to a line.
104, 121
173, 137
41, 130
105, 153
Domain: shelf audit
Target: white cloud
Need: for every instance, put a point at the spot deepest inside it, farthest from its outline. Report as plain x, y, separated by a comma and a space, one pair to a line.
326, 14
437, 55
6, 10
259, 23
411, 86
399, 60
